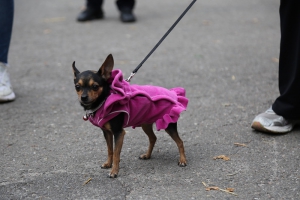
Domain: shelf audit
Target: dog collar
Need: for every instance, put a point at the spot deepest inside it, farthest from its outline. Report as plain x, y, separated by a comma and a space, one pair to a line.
91, 112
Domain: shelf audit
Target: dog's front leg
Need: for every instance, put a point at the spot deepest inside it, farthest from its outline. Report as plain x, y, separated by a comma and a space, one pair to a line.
119, 138
109, 141
114, 128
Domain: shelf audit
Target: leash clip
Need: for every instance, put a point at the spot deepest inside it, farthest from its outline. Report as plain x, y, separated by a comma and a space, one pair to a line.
131, 75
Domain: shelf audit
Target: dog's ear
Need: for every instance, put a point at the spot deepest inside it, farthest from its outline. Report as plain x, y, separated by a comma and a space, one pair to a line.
75, 70
107, 67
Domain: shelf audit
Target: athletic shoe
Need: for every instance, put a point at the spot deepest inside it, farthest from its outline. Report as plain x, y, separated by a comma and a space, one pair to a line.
6, 92
270, 122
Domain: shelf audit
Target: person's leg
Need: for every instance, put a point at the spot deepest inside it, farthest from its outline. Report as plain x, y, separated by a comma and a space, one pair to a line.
126, 8
288, 103
285, 111
6, 22
94, 3
92, 11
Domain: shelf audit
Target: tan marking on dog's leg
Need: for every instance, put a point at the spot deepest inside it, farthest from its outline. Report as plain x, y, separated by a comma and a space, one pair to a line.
116, 156
172, 131
109, 141
147, 128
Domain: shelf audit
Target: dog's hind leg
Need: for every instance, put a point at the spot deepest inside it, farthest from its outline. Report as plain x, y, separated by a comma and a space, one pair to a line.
147, 128
172, 131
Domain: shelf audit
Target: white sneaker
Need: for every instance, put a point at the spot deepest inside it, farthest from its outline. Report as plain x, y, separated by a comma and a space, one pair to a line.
270, 122
6, 92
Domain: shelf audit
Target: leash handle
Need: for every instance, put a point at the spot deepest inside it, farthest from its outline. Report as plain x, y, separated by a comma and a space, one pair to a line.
160, 41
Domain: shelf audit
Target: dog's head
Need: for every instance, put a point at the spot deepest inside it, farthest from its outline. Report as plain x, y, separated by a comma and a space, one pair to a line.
91, 86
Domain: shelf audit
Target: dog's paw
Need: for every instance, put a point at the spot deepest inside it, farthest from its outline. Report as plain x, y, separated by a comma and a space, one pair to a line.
105, 166
144, 157
110, 175
182, 164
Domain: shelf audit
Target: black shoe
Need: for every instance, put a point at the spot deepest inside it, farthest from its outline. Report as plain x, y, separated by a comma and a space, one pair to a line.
127, 15
90, 14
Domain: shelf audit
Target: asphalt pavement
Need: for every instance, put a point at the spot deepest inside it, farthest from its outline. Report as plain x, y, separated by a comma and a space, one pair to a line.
224, 53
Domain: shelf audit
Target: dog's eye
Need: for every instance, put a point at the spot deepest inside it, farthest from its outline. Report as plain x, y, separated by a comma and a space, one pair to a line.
95, 87
77, 87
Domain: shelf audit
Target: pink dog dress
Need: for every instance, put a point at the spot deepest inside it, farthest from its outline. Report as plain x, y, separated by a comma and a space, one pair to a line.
142, 104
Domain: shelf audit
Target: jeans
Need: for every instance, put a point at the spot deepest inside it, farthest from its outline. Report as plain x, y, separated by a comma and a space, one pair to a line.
6, 22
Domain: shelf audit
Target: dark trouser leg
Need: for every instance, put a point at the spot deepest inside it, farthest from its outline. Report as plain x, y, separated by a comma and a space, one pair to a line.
6, 22
128, 4
288, 103
94, 4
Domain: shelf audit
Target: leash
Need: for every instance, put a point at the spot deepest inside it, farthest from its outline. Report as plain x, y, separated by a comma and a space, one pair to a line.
160, 41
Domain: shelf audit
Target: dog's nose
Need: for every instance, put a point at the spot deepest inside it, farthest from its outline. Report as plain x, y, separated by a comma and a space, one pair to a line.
84, 98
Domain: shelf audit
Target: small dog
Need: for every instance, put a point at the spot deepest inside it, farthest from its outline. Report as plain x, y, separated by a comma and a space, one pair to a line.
113, 104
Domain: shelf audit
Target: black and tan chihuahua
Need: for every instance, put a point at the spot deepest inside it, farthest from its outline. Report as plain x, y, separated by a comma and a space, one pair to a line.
93, 88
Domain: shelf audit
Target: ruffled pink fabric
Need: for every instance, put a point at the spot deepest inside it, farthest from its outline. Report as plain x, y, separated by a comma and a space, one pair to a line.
142, 104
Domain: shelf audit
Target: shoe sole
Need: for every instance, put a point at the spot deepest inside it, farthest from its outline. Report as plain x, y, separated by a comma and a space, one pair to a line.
90, 19
8, 98
128, 21
277, 130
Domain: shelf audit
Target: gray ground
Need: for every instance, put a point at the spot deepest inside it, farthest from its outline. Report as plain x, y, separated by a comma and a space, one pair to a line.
225, 53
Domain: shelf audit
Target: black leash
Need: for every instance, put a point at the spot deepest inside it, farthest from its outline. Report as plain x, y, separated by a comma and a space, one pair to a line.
160, 41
